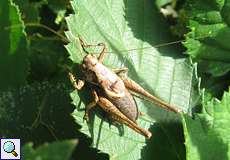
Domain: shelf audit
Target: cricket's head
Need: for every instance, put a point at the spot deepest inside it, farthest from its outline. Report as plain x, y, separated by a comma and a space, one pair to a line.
88, 66
89, 61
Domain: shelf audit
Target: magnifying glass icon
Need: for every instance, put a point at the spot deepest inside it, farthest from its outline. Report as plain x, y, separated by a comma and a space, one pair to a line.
9, 147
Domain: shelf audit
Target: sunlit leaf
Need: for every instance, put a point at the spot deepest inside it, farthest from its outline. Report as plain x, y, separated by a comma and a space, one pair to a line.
124, 25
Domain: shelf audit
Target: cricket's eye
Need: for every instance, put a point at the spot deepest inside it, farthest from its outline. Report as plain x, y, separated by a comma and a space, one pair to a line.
94, 55
94, 62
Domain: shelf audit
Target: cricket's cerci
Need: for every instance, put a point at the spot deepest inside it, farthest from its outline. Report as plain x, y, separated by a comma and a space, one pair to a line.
111, 90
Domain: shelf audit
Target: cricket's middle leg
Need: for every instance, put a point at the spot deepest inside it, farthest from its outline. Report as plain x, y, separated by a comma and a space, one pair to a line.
120, 70
91, 105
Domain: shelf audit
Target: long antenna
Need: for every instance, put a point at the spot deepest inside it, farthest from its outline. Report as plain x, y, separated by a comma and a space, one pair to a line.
157, 46
64, 39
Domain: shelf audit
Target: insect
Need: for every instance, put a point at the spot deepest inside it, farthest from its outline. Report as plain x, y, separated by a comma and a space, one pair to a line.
112, 90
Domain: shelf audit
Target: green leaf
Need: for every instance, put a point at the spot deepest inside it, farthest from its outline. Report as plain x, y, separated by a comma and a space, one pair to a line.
124, 25
207, 136
14, 57
207, 41
29, 10
61, 150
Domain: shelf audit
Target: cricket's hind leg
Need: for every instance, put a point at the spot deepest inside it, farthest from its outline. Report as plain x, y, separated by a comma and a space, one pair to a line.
118, 116
115, 123
133, 86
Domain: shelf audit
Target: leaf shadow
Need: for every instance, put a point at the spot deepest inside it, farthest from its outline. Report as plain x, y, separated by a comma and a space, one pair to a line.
165, 143
150, 26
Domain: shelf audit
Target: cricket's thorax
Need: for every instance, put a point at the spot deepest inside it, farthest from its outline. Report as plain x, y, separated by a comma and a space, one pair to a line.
98, 73
103, 73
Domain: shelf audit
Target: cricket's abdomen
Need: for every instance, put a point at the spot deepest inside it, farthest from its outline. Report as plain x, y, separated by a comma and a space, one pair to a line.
127, 106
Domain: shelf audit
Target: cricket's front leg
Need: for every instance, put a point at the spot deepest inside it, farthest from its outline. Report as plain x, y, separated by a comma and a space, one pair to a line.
77, 84
117, 115
133, 86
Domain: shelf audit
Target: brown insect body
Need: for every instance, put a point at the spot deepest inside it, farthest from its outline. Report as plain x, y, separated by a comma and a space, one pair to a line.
98, 73
113, 86
113, 93
127, 105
